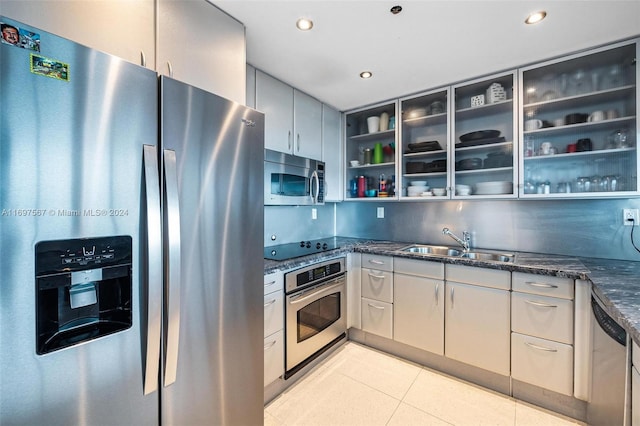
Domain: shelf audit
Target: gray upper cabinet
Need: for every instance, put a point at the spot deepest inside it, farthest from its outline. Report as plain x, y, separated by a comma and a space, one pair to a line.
293, 119
122, 28
201, 45
332, 153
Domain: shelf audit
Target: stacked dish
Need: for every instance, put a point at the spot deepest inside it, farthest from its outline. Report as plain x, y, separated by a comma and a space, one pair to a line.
463, 190
494, 188
439, 192
416, 190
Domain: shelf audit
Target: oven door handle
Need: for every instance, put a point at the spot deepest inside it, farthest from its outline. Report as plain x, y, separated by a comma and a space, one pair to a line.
301, 298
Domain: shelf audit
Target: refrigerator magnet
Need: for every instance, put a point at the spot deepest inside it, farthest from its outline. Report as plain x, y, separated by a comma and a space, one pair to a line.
19, 37
49, 67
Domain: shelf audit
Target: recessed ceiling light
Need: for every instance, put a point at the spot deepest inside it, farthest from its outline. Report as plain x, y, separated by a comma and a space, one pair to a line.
304, 24
396, 9
366, 74
535, 17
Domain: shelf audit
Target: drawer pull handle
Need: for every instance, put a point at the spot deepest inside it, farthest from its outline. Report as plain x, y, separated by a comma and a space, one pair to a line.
542, 305
376, 262
269, 345
270, 303
377, 307
543, 285
269, 283
380, 277
437, 287
541, 348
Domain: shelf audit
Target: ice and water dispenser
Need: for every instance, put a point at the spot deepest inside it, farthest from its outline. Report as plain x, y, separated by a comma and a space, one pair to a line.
83, 290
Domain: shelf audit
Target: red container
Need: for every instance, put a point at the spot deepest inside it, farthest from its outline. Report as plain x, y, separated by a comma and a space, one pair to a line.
362, 186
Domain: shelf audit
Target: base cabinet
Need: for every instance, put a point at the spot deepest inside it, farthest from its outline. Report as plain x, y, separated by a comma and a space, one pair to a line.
273, 326
542, 363
377, 317
477, 326
635, 386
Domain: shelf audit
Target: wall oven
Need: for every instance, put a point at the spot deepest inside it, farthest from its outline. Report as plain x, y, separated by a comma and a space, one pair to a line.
292, 181
316, 316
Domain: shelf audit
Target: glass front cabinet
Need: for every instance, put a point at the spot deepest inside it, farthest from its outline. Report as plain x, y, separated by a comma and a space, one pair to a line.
484, 123
371, 153
424, 148
578, 125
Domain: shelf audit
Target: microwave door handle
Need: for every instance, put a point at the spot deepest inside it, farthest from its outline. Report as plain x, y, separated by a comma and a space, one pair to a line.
316, 179
172, 276
153, 273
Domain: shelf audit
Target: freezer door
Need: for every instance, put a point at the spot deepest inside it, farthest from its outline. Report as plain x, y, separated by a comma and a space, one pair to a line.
71, 167
218, 148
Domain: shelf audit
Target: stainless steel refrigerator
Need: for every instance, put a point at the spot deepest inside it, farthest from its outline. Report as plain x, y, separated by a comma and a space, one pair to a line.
131, 244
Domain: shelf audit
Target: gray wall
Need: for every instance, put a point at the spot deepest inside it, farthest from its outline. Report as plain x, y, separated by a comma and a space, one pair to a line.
291, 224
591, 228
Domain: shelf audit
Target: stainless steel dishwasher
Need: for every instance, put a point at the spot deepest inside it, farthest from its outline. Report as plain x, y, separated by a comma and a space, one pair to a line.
608, 372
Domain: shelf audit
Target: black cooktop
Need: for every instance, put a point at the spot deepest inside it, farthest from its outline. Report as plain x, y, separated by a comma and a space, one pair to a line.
302, 248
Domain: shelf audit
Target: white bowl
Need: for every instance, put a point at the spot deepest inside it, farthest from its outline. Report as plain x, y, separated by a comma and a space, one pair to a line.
418, 183
439, 191
354, 163
463, 187
463, 193
414, 191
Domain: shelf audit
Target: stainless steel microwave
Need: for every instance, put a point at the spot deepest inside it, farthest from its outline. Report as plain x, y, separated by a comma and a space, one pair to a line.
290, 180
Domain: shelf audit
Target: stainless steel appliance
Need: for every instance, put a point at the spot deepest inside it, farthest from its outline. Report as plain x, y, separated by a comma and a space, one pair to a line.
292, 180
608, 372
131, 273
303, 248
316, 316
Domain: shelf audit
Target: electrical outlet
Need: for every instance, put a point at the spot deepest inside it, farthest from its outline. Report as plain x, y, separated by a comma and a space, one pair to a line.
628, 214
380, 213
314, 214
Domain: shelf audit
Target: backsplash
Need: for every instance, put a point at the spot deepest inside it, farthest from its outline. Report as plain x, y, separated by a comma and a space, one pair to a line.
590, 228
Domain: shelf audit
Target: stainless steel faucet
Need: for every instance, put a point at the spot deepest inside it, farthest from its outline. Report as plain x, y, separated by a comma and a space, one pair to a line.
464, 241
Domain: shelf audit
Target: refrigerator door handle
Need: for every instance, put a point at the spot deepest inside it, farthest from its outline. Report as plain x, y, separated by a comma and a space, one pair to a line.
154, 268
172, 265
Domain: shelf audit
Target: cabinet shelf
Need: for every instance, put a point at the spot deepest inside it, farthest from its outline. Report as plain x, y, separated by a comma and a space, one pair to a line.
432, 174
425, 154
426, 120
571, 128
487, 147
578, 101
374, 136
480, 171
579, 155
373, 166
483, 110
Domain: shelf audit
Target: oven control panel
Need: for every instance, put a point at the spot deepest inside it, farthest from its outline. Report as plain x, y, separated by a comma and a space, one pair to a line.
313, 274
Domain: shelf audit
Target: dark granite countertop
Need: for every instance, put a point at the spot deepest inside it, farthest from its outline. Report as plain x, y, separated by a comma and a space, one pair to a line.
615, 282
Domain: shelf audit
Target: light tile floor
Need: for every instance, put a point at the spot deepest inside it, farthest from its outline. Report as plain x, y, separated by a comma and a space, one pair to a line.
358, 385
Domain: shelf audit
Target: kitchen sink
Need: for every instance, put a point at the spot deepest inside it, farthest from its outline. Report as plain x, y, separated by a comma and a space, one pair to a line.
452, 252
439, 250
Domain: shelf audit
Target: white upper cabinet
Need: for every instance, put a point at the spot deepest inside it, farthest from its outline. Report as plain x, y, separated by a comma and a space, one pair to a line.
124, 28
293, 121
202, 46
332, 153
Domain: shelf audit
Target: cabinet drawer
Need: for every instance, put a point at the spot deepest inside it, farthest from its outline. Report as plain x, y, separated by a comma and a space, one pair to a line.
273, 313
419, 268
273, 282
541, 316
273, 356
377, 285
485, 277
377, 317
380, 263
543, 285
542, 363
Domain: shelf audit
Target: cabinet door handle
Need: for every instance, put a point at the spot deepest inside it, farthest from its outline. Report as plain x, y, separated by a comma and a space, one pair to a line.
542, 285
451, 297
289, 140
377, 307
170, 68
270, 283
143, 59
542, 305
437, 287
270, 303
269, 345
376, 262
540, 348
380, 277
298, 141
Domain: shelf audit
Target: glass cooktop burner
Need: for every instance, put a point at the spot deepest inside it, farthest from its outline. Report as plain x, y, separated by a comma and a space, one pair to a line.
302, 248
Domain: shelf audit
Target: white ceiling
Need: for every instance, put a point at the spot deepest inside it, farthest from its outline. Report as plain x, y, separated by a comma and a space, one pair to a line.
431, 43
